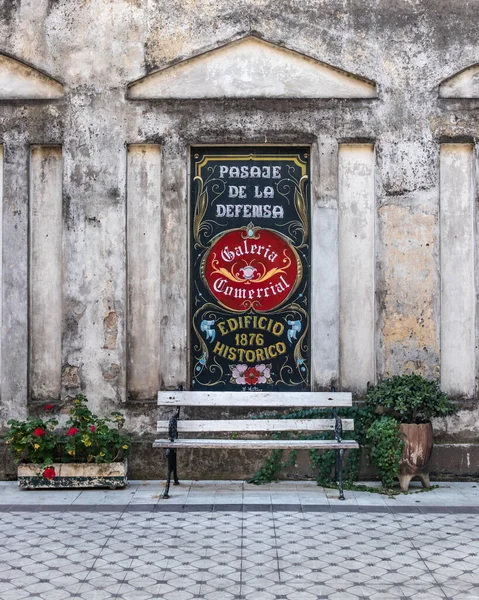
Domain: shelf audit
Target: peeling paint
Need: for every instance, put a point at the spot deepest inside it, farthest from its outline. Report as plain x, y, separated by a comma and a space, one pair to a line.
409, 330
110, 326
71, 377
95, 48
112, 373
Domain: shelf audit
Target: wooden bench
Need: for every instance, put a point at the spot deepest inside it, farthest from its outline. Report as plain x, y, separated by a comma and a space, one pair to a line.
268, 400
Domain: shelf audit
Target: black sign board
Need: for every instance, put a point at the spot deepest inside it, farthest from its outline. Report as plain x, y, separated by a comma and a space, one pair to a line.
250, 269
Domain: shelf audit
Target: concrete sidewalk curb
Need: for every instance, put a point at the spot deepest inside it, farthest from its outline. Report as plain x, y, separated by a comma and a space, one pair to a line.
226, 508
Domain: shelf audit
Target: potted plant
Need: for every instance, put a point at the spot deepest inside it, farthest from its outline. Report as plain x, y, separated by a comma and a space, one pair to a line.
87, 451
398, 428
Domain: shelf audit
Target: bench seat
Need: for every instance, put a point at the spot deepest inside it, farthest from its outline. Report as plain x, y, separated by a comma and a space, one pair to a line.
257, 444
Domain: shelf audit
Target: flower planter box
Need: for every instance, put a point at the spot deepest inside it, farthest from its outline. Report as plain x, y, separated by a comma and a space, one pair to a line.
74, 475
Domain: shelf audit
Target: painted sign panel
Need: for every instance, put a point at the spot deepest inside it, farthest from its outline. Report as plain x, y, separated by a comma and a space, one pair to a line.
250, 269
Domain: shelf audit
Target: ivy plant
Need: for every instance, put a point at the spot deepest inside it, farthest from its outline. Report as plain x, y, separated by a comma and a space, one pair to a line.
385, 446
409, 399
401, 399
322, 462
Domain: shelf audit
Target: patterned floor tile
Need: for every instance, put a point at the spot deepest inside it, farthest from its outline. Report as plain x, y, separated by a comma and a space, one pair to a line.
238, 556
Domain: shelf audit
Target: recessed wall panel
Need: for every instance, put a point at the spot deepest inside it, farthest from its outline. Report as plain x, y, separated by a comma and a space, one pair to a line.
45, 272
143, 252
457, 269
356, 265
324, 265
1, 256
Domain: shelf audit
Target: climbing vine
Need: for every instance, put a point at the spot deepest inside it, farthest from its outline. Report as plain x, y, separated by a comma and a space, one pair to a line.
322, 462
378, 434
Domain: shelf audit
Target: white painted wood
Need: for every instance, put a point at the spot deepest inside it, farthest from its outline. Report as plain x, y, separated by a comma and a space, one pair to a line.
457, 217
265, 399
228, 425
46, 306
144, 255
356, 265
251, 67
256, 444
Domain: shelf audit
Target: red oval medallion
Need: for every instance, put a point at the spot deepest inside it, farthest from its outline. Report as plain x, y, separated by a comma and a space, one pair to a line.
251, 268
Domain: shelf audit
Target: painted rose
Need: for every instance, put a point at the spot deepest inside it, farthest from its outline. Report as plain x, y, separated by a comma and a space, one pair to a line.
251, 376
244, 375
49, 473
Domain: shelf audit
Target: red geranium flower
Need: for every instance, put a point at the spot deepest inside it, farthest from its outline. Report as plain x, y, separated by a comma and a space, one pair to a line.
49, 473
39, 432
251, 376
72, 431
48, 407
93, 428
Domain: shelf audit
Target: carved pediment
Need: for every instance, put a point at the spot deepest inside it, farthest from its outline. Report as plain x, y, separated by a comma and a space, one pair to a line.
464, 84
251, 68
18, 81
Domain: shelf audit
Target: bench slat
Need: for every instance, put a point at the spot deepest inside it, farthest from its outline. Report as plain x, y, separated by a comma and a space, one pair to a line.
257, 444
264, 399
256, 425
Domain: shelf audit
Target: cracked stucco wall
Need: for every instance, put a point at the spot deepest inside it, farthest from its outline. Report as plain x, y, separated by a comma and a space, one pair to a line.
95, 48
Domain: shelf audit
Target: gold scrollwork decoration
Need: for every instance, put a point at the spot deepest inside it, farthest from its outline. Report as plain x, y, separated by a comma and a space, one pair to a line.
200, 209
302, 207
300, 362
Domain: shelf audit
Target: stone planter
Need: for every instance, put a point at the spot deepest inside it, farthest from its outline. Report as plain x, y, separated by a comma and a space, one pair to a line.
74, 475
416, 453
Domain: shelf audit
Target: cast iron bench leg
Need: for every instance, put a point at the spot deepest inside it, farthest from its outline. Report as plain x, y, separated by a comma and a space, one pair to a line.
339, 472
175, 475
171, 456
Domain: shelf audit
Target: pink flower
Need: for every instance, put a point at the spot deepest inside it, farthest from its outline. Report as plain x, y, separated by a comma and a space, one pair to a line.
71, 432
264, 372
49, 473
39, 432
237, 374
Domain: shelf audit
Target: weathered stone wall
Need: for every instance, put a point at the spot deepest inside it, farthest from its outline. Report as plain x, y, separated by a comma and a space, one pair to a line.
94, 293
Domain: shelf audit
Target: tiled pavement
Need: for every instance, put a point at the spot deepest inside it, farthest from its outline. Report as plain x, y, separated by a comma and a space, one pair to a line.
229, 540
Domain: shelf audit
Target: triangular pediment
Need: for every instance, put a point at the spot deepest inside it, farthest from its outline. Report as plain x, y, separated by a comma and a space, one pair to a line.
18, 81
251, 68
464, 84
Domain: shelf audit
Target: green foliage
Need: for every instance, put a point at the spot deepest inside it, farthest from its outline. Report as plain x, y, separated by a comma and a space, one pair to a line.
402, 399
270, 470
33, 440
409, 399
322, 461
92, 439
385, 447
85, 437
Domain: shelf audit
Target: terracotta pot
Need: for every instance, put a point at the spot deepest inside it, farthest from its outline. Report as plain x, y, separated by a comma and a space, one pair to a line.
74, 475
418, 441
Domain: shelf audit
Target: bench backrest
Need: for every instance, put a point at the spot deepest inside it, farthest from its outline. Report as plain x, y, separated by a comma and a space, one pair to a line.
264, 399
255, 399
